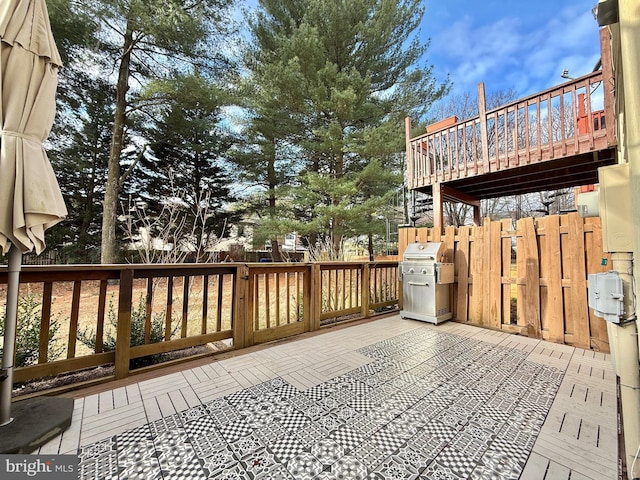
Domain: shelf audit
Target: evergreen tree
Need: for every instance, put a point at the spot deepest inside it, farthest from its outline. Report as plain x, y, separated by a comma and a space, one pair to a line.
80, 160
80, 135
266, 159
188, 160
348, 72
149, 39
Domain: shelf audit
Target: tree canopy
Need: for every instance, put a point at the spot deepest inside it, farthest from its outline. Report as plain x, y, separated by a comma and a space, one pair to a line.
341, 76
304, 120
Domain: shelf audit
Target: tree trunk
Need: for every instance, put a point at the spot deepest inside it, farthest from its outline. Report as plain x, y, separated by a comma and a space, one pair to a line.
112, 188
276, 255
371, 252
337, 227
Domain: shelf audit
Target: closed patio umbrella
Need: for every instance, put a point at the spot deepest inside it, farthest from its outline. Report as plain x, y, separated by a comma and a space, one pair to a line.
30, 198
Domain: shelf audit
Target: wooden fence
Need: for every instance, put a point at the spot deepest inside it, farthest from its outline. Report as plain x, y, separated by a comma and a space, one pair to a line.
135, 311
531, 280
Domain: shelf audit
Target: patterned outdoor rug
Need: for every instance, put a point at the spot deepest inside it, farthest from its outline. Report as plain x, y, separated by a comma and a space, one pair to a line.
429, 405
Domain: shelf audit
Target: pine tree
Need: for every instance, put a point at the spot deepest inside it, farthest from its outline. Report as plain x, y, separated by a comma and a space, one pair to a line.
348, 72
188, 158
149, 39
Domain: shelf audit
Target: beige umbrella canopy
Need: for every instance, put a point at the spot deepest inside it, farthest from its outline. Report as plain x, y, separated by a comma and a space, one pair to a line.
30, 198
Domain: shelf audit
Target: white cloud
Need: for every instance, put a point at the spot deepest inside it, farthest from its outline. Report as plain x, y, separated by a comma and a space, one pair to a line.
567, 42
509, 53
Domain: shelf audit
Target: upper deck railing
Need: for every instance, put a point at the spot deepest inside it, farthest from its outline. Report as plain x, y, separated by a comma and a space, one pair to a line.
560, 122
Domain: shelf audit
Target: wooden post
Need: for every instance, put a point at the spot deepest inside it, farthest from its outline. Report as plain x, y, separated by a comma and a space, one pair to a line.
410, 159
123, 331
437, 207
364, 304
241, 309
315, 301
608, 83
476, 215
311, 322
482, 113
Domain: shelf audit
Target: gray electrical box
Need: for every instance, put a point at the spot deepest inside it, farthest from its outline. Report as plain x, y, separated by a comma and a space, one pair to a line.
606, 295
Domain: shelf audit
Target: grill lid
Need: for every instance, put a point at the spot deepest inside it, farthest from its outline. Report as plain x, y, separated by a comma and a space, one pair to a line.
423, 252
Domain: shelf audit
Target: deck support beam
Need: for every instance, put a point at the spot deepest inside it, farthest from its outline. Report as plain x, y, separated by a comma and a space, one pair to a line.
484, 139
438, 219
452, 195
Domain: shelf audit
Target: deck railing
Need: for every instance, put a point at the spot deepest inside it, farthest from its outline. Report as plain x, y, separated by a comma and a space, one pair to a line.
347, 288
559, 122
132, 311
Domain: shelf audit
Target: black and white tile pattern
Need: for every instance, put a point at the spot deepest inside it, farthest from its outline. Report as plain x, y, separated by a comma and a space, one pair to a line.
429, 405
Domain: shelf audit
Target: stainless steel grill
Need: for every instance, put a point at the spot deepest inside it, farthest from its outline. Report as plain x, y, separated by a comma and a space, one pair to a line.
425, 283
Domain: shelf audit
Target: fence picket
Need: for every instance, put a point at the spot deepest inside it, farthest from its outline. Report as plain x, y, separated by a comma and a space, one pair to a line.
506, 247
494, 267
580, 312
73, 324
462, 268
597, 262
552, 308
531, 274
475, 273
554, 254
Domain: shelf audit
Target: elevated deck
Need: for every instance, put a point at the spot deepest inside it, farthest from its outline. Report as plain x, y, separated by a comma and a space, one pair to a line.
550, 140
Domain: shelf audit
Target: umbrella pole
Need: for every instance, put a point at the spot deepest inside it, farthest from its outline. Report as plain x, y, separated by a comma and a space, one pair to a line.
11, 320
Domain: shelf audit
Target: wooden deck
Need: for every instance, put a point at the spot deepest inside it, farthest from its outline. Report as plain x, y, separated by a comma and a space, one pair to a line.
553, 139
536, 137
483, 403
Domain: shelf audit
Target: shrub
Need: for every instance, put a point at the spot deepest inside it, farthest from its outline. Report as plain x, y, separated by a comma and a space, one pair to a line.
138, 320
28, 332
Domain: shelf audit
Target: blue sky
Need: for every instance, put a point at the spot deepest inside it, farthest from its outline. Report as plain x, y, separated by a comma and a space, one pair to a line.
507, 44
